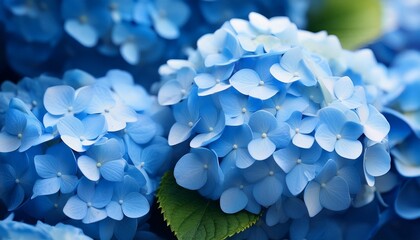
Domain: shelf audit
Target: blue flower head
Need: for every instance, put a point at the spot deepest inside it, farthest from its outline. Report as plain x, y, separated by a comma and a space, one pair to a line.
289, 127
83, 150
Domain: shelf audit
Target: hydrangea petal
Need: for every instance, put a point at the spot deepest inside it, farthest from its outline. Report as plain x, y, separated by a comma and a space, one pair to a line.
261, 148
264, 197
350, 149
135, 205
75, 208
58, 99
335, 195
377, 160
190, 173
311, 197
88, 167
113, 170
83, 33
325, 138
46, 186
245, 80
9, 143
233, 200
114, 211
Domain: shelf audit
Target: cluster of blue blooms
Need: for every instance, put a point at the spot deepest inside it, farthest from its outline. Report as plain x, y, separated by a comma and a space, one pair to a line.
284, 120
97, 36
84, 151
401, 29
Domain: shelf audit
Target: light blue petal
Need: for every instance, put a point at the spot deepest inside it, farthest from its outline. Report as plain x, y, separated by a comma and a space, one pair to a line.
83, 33
50, 120
335, 195
262, 122
376, 127
58, 99
245, 80
113, 170
377, 160
233, 200
343, 88
71, 129
114, 211
350, 149
170, 93
311, 197
130, 52
351, 130
68, 183
111, 149
217, 88
94, 126
179, 133
32, 137
328, 171
280, 136
94, 215
9, 143
135, 205
46, 186
75, 208
143, 130
303, 141
15, 121
166, 29
287, 158
298, 178
205, 80
325, 138
243, 158
46, 166
407, 204
333, 118
282, 75
291, 59
190, 172
261, 148
88, 167
268, 191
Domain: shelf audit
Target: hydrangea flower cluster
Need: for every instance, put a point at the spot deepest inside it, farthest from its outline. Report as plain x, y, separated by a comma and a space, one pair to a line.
402, 109
67, 34
81, 150
278, 119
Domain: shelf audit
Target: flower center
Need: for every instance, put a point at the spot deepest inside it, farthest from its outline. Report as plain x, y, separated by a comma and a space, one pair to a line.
264, 135
296, 74
241, 186
55, 205
235, 146
89, 204
211, 129
297, 130
299, 161
70, 109
338, 136
83, 19
278, 107
261, 83
19, 135
206, 166
98, 165
17, 181
323, 185
243, 110
106, 110
271, 173
190, 124
183, 91
120, 201
34, 103
59, 174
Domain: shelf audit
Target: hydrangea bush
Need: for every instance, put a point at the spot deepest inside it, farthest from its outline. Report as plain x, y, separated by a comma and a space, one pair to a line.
280, 121
80, 150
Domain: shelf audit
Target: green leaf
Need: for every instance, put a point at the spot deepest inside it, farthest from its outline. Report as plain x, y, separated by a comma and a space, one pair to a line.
355, 22
190, 216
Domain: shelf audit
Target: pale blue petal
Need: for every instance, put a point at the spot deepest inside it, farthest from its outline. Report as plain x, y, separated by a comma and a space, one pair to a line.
88, 167
303, 141
135, 205
179, 133
311, 197
58, 99
407, 204
111, 149
280, 136
333, 118
94, 126
262, 122
170, 93
243, 158
245, 80
291, 59
261, 148
351, 130
268, 191
298, 178
143, 130
114, 211
166, 29
9, 143
31, 137
233, 200
83, 33
286, 158
280, 74
47, 166
190, 173
113, 170
68, 183
94, 215
376, 127
335, 195
50, 120
325, 138
350, 149
205, 80
343, 88
46, 186
377, 160
217, 88
130, 52
75, 208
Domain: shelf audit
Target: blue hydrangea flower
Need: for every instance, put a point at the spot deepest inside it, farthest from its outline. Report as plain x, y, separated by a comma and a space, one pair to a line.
58, 171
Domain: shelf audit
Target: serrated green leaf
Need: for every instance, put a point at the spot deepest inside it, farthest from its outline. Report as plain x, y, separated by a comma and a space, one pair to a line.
355, 22
190, 216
